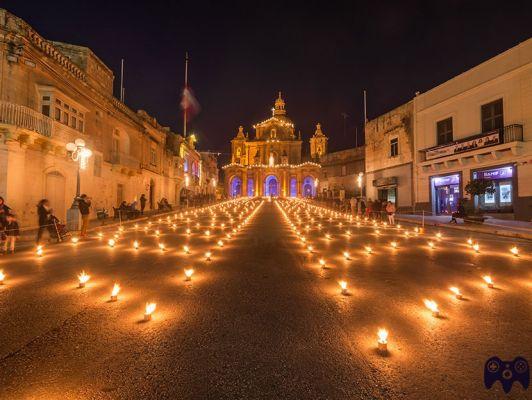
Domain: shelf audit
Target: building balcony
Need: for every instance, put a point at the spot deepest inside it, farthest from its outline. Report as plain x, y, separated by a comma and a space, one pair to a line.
509, 134
25, 118
125, 162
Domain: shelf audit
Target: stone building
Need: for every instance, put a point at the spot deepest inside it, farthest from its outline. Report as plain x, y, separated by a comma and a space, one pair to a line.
270, 163
478, 125
52, 93
209, 173
339, 173
389, 161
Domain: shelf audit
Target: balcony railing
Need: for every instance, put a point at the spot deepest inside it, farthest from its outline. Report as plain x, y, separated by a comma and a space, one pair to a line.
510, 133
25, 117
123, 159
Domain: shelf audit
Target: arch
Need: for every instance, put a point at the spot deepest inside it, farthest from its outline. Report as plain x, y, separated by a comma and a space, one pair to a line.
235, 187
271, 186
308, 188
55, 193
293, 186
251, 187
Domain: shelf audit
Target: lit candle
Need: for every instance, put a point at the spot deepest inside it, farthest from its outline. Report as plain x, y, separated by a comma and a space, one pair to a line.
100, 235
136, 244
368, 249
39, 250
111, 242
186, 249
2, 277
208, 255
157, 232
393, 244
150, 308
188, 231
431, 244
432, 306
456, 292
382, 341
348, 232
162, 247
220, 243
115, 291
476, 247
83, 278
488, 281
343, 286
188, 274
310, 248
75, 239
208, 232
439, 235
377, 232
328, 236
347, 255
322, 262
515, 251
470, 242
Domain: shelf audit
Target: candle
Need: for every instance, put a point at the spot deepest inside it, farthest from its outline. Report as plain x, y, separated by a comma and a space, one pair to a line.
310, 249
393, 244
431, 245
188, 274
368, 249
186, 249
439, 235
136, 244
188, 231
343, 286
83, 278
220, 243
382, 341
456, 292
75, 239
432, 306
2, 277
470, 242
115, 291
208, 232
157, 232
515, 251
39, 250
150, 308
488, 281
322, 262
111, 242
162, 247
100, 235
208, 255
476, 247
346, 255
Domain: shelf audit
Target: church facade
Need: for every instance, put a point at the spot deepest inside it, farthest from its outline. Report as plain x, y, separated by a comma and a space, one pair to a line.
271, 163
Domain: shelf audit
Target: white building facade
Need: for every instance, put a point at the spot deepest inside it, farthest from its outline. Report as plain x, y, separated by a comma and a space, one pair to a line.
477, 125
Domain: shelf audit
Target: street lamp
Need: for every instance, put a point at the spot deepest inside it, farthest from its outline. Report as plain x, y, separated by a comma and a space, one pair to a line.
79, 154
359, 181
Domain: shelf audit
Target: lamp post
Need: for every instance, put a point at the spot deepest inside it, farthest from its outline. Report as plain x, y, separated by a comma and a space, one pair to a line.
187, 182
359, 182
80, 155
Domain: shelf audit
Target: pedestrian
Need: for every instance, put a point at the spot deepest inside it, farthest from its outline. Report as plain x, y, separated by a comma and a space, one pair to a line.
460, 212
44, 212
369, 208
4, 210
361, 207
84, 204
142, 203
390, 210
12, 233
353, 203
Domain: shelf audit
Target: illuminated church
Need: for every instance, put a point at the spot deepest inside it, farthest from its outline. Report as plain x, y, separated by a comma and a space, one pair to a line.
270, 163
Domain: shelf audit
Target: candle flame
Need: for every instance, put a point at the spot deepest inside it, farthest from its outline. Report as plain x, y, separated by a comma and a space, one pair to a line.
189, 272
476, 247
116, 290
75, 239
455, 290
431, 305
150, 308
343, 285
136, 244
220, 243
111, 242
322, 262
488, 279
515, 251
431, 244
393, 244
2, 275
368, 249
83, 277
186, 249
162, 246
346, 254
382, 335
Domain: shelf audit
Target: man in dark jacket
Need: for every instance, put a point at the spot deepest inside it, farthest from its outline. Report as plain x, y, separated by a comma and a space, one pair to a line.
142, 203
84, 204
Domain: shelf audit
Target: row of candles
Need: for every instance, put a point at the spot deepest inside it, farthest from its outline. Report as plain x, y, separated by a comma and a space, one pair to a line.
295, 207
247, 208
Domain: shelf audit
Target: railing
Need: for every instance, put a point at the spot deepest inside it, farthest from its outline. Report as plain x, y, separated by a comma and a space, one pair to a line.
510, 133
25, 117
119, 158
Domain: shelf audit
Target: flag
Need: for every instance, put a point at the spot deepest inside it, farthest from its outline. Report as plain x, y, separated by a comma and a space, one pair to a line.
189, 103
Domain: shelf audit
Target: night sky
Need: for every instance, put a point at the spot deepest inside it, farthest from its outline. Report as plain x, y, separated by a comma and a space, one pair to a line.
321, 55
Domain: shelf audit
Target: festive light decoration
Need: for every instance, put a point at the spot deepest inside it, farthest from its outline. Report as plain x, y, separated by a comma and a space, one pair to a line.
157, 232
39, 251
75, 239
488, 280
343, 287
456, 292
2, 276
208, 255
162, 247
148, 311
382, 340
393, 244
470, 242
220, 243
432, 306
368, 249
136, 244
188, 274
310, 248
83, 278
115, 291
515, 251
431, 244
347, 256
322, 262
476, 247
111, 243
186, 249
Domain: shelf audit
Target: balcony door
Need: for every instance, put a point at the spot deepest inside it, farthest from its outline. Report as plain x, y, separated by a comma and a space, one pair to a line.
492, 116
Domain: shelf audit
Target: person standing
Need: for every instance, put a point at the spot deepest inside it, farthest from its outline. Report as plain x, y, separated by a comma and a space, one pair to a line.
353, 203
44, 212
142, 203
4, 210
12, 233
390, 210
84, 204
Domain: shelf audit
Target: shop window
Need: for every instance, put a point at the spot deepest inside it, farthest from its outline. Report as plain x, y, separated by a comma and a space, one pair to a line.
492, 116
394, 147
444, 131
502, 198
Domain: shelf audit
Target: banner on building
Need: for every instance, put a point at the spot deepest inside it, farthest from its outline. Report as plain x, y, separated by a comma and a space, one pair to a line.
489, 139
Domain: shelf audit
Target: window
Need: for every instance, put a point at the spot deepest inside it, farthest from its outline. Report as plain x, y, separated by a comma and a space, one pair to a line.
153, 154
492, 118
394, 147
68, 115
344, 170
444, 131
97, 165
57, 114
46, 109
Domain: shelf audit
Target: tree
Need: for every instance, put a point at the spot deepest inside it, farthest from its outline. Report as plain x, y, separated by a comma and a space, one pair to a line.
479, 187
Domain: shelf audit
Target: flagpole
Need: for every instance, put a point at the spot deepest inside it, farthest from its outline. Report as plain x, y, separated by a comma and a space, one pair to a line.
186, 106
365, 113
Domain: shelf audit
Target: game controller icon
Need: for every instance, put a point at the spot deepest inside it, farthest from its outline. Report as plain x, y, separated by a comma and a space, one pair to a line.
507, 372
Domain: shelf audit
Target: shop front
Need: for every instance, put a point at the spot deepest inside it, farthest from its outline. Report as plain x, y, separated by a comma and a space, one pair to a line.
503, 182
386, 189
445, 193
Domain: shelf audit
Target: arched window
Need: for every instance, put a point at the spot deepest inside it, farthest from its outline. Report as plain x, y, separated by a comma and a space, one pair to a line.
235, 187
309, 187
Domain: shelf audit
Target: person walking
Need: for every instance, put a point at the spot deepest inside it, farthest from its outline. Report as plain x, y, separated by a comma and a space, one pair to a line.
353, 204
142, 203
390, 210
84, 204
369, 208
44, 212
4, 210
12, 233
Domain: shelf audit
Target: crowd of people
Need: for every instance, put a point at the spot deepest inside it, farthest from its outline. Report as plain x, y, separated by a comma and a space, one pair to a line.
378, 209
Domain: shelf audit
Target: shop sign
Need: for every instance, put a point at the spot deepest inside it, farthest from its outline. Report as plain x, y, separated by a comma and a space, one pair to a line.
446, 180
497, 173
489, 139
389, 181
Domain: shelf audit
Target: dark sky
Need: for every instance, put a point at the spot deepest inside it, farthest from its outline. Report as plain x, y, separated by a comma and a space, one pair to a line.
321, 55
